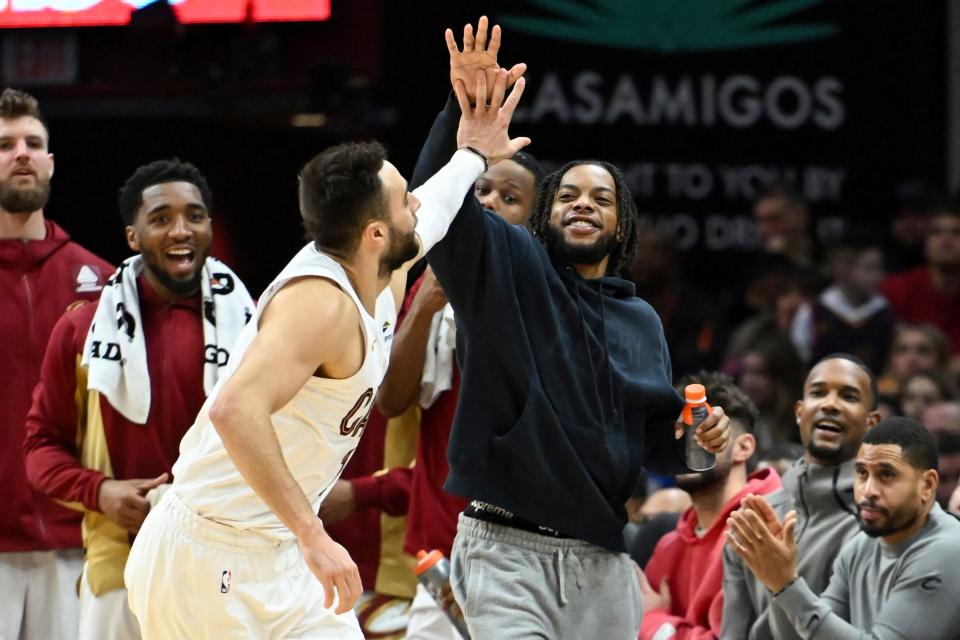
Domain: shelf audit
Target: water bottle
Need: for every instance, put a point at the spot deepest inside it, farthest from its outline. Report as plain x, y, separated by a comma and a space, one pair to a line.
694, 412
433, 572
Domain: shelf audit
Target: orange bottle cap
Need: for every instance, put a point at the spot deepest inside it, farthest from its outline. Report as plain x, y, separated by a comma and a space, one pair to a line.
425, 561
695, 394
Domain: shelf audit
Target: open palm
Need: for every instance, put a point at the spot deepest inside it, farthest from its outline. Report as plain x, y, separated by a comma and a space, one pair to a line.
479, 54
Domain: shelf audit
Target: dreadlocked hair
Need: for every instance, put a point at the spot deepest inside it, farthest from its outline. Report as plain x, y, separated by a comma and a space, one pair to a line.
627, 215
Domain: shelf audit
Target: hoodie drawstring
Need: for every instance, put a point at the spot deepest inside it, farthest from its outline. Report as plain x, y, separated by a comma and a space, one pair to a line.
586, 344
606, 356
838, 497
567, 556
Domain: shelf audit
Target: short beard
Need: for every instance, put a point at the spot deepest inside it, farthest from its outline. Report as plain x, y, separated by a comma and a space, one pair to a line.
830, 456
891, 527
579, 254
179, 288
402, 250
695, 482
25, 200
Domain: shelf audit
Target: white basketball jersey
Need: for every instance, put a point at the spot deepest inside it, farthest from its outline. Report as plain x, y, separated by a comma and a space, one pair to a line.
319, 429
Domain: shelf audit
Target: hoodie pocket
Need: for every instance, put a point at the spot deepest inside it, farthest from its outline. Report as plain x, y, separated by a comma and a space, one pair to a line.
551, 455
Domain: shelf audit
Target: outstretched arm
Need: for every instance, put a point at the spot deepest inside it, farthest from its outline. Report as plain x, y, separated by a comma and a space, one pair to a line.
325, 322
482, 140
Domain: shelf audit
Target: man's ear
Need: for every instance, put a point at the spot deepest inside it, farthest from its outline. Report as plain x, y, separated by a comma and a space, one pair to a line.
744, 446
929, 482
133, 239
375, 232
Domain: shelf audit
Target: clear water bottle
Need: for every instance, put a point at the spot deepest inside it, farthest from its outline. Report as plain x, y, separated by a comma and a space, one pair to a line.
433, 572
695, 412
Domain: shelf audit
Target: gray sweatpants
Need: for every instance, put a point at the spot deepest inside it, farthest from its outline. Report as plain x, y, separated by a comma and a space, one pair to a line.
512, 584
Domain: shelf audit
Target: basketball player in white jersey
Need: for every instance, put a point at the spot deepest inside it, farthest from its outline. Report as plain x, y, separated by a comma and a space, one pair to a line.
235, 548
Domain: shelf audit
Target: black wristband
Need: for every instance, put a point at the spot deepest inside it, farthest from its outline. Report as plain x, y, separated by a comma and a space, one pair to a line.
479, 154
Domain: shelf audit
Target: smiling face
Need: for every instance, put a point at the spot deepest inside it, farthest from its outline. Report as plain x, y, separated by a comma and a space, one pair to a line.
583, 217
25, 165
835, 411
891, 494
172, 232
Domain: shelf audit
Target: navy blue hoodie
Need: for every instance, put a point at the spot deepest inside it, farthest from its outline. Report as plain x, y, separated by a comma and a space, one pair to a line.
566, 383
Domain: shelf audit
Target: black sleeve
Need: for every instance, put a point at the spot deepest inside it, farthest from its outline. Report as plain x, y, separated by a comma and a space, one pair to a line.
474, 258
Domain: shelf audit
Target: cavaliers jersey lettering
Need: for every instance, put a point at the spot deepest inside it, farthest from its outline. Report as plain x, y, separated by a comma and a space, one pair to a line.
318, 430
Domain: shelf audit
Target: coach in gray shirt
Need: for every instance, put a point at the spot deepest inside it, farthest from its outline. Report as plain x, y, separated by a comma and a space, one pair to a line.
898, 578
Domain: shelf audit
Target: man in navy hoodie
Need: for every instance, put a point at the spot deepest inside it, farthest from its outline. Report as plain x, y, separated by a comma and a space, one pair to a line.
566, 393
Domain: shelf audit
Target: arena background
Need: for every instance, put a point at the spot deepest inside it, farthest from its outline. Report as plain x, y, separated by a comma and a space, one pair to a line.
699, 101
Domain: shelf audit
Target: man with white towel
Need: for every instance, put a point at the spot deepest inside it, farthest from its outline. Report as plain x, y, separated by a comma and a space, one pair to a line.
123, 379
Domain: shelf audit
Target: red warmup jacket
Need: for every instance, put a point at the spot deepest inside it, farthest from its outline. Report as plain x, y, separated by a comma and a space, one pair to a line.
39, 279
694, 569
913, 299
75, 438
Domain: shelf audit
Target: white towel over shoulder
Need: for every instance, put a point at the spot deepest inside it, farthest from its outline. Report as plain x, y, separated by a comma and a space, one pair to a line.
115, 350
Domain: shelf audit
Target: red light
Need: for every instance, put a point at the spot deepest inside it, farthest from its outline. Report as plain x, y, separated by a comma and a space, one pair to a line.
88, 13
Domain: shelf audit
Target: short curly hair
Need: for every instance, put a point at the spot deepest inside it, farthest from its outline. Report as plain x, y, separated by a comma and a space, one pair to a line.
159, 172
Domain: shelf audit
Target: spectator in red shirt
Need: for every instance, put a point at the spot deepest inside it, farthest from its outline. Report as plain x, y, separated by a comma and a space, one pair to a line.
931, 293
682, 587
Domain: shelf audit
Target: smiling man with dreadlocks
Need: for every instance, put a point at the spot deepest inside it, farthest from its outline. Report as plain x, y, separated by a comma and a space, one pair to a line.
566, 393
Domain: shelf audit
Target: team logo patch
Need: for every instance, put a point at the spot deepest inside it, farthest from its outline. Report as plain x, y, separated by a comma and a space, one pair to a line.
87, 280
225, 579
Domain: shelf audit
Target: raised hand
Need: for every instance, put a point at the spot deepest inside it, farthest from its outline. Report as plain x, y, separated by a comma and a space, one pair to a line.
484, 126
712, 434
478, 54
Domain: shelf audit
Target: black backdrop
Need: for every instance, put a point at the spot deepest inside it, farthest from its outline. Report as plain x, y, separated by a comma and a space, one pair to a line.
696, 108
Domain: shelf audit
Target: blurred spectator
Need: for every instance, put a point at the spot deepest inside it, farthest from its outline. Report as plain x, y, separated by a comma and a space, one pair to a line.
954, 505
769, 372
782, 217
836, 409
891, 580
943, 421
851, 315
691, 321
931, 292
783, 297
651, 519
912, 199
42, 273
916, 348
681, 586
923, 389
